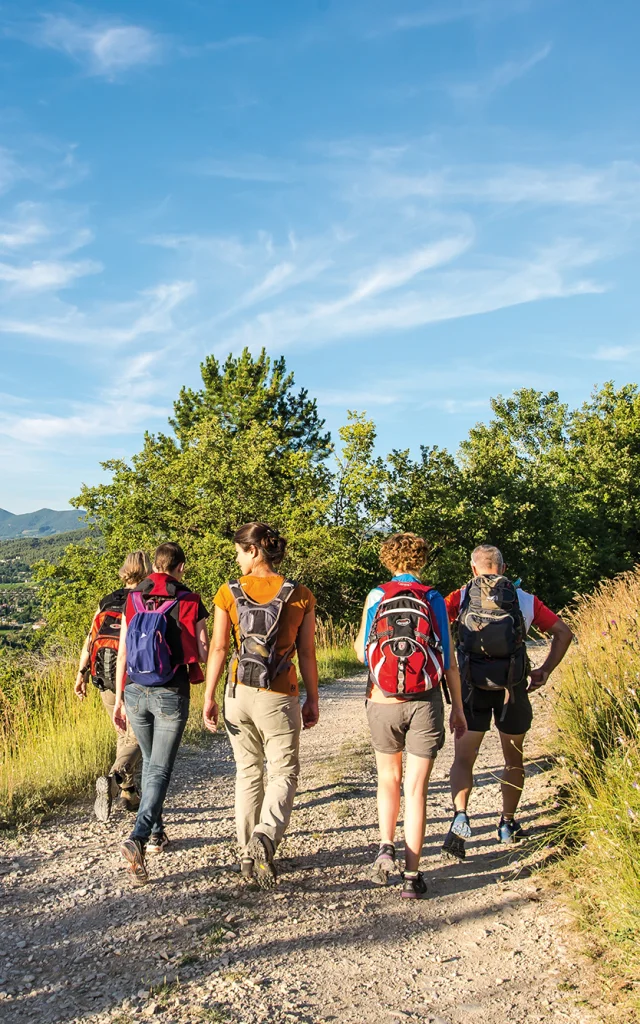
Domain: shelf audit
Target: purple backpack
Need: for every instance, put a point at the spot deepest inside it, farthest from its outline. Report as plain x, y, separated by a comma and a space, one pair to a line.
148, 654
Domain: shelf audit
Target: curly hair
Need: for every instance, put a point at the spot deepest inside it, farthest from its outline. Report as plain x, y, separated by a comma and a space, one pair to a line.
404, 552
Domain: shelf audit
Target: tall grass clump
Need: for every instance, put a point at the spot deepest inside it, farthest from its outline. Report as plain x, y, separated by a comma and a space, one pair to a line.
598, 718
335, 653
52, 746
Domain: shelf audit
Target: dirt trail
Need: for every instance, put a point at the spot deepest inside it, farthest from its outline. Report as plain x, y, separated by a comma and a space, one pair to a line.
77, 944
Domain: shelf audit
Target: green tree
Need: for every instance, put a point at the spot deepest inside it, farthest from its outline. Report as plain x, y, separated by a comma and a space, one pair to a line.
245, 447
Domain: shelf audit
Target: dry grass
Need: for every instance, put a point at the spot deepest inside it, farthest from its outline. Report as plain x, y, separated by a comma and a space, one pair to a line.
53, 746
598, 717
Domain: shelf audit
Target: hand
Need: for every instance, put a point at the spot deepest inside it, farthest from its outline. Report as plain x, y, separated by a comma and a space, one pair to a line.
210, 714
80, 686
539, 677
310, 713
457, 722
120, 717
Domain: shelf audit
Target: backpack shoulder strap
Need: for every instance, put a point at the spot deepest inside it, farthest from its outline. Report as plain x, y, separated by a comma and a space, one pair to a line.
286, 590
138, 602
466, 597
166, 606
238, 593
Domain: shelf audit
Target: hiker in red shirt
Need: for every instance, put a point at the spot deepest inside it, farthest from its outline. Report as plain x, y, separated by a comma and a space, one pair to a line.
493, 618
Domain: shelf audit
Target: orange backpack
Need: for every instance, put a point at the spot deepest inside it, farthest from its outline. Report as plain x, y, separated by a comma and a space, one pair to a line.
105, 640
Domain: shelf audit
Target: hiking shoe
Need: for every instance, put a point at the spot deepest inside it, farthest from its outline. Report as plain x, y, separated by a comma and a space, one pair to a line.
158, 842
415, 886
129, 800
453, 847
459, 831
384, 864
509, 831
104, 797
133, 852
246, 867
261, 851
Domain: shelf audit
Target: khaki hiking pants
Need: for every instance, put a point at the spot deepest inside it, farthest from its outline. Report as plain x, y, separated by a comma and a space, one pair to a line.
128, 756
263, 726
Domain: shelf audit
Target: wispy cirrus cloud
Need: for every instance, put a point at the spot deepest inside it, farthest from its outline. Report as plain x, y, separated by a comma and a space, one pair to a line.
104, 47
614, 353
498, 78
442, 14
150, 314
42, 275
110, 413
255, 168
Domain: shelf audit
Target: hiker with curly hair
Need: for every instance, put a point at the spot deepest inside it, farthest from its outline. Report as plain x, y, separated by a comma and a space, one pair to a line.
405, 642
272, 619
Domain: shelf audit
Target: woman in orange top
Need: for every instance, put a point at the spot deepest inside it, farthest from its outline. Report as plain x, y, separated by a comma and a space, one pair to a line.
263, 721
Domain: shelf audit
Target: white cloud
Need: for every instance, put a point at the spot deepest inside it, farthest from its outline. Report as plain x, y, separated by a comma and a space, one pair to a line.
105, 48
499, 78
25, 229
122, 408
445, 295
249, 168
506, 185
442, 14
41, 275
613, 353
116, 324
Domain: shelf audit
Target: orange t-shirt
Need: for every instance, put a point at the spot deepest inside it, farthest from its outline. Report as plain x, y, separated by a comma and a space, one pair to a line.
263, 589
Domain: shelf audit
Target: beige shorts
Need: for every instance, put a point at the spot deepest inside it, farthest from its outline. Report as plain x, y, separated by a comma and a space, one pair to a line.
414, 725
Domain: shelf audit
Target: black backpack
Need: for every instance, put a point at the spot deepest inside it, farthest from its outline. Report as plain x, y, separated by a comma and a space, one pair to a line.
257, 662
492, 652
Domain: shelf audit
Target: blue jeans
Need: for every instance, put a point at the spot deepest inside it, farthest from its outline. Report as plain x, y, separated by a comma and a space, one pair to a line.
158, 717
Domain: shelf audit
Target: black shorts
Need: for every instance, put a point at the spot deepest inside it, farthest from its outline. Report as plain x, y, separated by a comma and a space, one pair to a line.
480, 705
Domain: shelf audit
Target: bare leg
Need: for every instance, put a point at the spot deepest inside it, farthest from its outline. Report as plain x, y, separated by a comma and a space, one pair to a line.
467, 750
416, 782
389, 779
513, 774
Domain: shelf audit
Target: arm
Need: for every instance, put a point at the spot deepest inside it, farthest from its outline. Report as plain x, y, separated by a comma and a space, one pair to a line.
457, 720
561, 637
218, 652
360, 640
202, 637
119, 715
306, 646
80, 686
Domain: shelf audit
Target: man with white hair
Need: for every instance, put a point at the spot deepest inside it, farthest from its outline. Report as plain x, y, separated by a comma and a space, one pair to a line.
493, 618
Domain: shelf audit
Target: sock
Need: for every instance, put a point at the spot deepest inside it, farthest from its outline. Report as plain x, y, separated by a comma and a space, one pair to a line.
411, 874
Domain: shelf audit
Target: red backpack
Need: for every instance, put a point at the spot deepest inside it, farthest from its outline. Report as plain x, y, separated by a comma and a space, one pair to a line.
105, 639
404, 648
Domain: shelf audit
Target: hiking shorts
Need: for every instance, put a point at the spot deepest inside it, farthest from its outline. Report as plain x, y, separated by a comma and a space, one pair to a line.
480, 705
414, 725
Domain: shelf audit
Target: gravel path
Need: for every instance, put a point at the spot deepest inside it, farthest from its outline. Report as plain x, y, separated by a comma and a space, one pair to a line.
198, 944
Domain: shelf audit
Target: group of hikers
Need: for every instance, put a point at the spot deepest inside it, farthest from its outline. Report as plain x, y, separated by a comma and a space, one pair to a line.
149, 641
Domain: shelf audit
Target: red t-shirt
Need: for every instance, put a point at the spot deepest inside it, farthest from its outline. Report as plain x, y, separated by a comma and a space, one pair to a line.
534, 612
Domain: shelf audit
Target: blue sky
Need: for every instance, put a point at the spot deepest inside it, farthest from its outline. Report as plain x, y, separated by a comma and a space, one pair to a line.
420, 204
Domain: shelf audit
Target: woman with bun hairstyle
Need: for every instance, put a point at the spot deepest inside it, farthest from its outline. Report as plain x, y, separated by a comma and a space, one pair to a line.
271, 619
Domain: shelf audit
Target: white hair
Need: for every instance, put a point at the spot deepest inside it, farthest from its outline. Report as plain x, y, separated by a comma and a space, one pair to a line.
487, 556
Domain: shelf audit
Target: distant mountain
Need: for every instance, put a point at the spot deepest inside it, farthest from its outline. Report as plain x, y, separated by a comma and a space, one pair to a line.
42, 523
